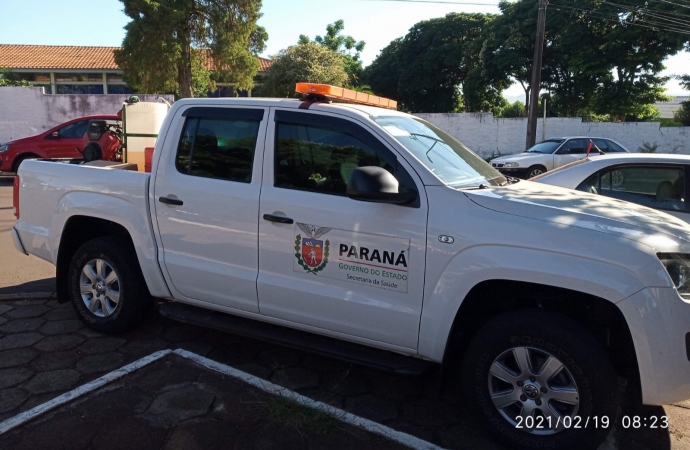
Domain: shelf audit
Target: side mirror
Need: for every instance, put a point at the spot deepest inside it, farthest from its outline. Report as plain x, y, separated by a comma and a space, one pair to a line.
563, 151
375, 184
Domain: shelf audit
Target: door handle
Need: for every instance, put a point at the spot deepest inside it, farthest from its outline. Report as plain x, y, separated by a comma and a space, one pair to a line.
279, 219
170, 201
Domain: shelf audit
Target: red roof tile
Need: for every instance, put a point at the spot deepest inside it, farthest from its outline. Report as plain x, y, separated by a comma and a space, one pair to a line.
67, 57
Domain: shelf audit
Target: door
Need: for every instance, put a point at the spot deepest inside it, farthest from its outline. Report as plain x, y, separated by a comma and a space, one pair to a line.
572, 150
69, 138
338, 265
207, 204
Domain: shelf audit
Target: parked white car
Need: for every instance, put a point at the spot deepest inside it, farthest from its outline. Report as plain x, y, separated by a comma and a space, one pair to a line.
552, 153
656, 181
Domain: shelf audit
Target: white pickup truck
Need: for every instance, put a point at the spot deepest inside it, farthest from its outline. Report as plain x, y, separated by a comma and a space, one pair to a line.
372, 235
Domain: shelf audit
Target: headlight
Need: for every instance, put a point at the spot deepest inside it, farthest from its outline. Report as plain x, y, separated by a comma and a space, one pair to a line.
513, 164
4, 148
678, 267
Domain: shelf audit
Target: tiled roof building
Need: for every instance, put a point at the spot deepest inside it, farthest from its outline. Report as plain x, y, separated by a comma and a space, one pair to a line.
64, 69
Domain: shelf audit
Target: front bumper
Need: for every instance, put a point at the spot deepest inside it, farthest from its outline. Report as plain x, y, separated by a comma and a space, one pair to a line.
519, 172
659, 320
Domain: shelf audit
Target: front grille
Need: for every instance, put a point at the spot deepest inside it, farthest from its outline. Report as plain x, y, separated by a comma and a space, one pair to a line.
497, 165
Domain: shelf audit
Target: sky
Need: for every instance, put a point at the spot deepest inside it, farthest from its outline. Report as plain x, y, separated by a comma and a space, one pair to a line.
377, 22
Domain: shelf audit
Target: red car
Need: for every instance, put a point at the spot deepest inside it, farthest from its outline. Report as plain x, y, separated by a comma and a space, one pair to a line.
58, 142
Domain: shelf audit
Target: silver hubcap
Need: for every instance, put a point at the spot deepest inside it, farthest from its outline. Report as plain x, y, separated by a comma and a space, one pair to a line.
617, 177
532, 388
535, 172
100, 287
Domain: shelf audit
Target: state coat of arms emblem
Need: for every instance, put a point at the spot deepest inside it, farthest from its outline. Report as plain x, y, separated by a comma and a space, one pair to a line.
310, 251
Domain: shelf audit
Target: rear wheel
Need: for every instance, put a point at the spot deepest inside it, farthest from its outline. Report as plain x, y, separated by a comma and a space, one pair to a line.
535, 170
92, 152
617, 178
106, 286
538, 380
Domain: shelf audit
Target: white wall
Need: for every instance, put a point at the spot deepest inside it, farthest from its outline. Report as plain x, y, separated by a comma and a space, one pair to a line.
487, 135
27, 111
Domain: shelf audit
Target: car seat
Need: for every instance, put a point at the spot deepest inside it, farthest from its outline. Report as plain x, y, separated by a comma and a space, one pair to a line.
664, 191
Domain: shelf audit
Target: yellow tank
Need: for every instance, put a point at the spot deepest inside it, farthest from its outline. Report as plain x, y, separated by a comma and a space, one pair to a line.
142, 122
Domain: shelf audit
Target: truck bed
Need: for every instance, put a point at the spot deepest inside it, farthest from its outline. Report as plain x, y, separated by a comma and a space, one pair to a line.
51, 193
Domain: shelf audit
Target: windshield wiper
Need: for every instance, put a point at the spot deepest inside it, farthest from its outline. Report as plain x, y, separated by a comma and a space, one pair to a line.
481, 186
427, 136
432, 145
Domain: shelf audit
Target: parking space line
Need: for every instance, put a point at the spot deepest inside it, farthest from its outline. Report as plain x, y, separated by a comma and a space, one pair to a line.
267, 386
344, 416
36, 411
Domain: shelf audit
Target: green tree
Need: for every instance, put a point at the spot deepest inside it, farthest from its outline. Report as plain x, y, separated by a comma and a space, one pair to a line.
169, 44
514, 110
509, 44
597, 59
437, 67
684, 81
310, 63
682, 115
9, 78
383, 74
348, 46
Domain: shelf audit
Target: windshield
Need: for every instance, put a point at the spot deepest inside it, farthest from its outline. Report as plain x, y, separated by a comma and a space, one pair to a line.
548, 146
452, 162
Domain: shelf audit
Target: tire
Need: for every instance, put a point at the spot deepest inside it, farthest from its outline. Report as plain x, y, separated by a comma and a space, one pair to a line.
106, 287
92, 152
586, 379
20, 159
617, 178
534, 171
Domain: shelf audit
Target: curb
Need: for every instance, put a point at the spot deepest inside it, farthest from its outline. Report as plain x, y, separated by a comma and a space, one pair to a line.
28, 295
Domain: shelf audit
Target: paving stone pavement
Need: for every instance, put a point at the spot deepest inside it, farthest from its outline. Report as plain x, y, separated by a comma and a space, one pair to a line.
195, 409
45, 351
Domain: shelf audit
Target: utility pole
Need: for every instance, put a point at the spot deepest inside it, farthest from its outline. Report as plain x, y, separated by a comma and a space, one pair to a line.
536, 77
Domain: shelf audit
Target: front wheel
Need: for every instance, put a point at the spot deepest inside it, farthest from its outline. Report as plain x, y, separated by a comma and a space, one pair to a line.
538, 380
106, 287
19, 160
535, 170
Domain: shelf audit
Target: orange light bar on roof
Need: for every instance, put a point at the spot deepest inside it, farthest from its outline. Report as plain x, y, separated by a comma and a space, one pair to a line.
347, 95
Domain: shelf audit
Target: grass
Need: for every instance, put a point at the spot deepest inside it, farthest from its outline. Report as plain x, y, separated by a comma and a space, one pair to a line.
287, 411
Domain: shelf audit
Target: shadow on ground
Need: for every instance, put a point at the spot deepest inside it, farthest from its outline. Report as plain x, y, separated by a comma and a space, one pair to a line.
45, 285
6, 179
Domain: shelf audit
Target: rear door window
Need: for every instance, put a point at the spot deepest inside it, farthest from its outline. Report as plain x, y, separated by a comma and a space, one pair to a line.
653, 186
218, 147
613, 147
602, 144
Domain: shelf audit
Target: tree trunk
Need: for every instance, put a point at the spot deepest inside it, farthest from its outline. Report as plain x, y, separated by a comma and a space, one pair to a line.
184, 66
184, 79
